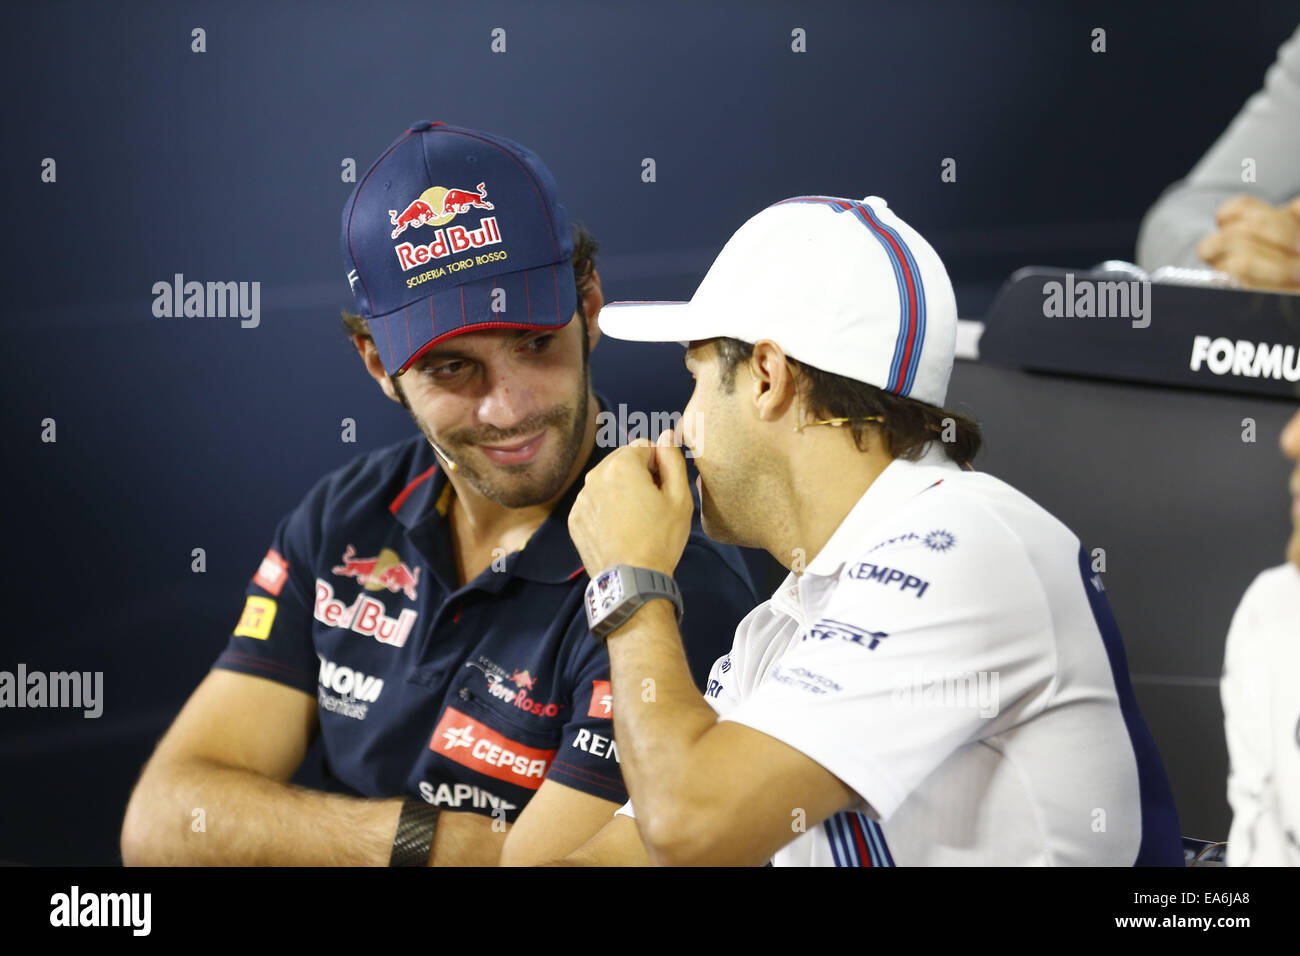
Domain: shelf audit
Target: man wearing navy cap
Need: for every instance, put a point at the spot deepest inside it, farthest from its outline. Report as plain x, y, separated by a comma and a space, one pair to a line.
939, 680
422, 609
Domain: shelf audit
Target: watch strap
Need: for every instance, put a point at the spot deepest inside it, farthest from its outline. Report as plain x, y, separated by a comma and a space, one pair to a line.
640, 585
413, 841
657, 584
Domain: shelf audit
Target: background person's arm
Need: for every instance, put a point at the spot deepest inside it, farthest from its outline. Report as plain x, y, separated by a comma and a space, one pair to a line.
1267, 132
230, 753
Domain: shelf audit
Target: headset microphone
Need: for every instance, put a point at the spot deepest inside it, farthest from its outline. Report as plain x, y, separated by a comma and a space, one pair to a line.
451, 465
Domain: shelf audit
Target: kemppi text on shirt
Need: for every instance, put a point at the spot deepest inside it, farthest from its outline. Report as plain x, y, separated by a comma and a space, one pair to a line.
468, 697
951, 657
1261, 708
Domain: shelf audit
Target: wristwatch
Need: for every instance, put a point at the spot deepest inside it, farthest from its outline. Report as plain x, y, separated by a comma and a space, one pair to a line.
616, 593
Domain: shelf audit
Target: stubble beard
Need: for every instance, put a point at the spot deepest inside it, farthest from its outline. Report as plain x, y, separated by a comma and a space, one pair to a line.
739, 488
534, 482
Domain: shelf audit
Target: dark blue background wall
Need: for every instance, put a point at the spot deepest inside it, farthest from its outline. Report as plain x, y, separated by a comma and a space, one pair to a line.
182, 433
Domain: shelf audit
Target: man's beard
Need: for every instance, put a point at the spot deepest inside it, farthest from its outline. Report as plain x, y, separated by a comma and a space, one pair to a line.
532, 487
737, 485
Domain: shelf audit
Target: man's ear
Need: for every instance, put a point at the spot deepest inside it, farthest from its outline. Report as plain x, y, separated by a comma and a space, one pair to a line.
592, 303
774, 384
365, 347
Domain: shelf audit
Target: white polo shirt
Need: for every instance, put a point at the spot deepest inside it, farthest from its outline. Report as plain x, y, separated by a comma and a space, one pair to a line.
951, 657
1261, 708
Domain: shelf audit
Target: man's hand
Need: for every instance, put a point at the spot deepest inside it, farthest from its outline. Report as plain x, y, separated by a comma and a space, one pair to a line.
1257, 244
635, 508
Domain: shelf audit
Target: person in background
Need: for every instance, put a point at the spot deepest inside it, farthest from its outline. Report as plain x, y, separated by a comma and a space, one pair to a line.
1238, 210
1261, 703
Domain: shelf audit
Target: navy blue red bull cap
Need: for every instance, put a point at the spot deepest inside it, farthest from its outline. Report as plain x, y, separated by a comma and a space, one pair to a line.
454, 230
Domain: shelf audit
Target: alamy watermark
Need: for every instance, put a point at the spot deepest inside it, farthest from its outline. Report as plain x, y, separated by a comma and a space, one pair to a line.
1100, 299
965, 690
208, 300
129, 910
58, 689
622, 427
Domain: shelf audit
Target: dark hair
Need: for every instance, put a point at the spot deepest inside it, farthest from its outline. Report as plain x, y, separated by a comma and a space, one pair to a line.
585, 248
908, 424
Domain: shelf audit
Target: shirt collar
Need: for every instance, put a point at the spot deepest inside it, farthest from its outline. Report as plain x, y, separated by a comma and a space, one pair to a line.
900, 481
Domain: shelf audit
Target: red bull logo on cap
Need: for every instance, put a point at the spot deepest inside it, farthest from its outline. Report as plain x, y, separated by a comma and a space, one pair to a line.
438, 206
385, 570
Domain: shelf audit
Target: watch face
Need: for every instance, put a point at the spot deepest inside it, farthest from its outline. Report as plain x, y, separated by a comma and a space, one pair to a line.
604, 592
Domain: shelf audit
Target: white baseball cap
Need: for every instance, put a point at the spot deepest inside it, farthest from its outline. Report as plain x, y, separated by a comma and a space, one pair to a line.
841, 285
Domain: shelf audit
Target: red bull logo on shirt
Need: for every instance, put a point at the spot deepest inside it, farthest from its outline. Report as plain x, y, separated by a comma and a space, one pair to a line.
365, 616
384, 571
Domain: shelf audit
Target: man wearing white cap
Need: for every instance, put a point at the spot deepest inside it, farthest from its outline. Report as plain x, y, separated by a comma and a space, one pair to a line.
939, 679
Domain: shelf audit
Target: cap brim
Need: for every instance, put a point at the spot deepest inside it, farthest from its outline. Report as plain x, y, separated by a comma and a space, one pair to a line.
540, 298
652, 322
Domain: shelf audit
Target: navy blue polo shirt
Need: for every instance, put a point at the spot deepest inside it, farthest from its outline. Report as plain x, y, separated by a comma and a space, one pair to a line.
468, 697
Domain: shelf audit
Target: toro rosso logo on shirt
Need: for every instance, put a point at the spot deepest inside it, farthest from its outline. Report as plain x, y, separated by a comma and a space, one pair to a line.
827, 629
498, 686
461, 738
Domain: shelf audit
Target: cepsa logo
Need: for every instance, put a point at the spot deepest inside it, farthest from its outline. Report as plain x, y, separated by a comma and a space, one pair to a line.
438, 206
463, 739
